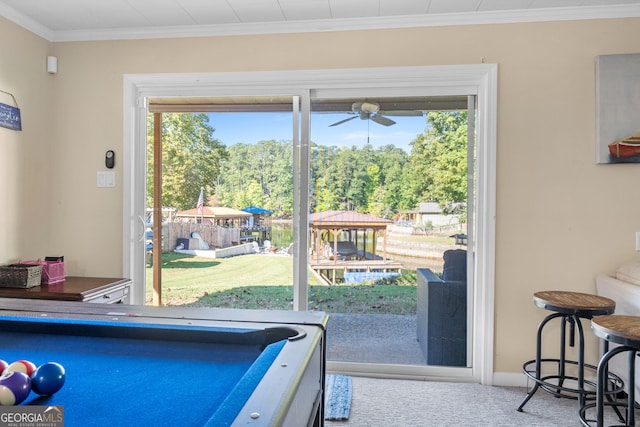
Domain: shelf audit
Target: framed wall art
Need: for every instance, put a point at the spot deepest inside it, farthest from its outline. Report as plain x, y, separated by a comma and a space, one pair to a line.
10, 114
618, 108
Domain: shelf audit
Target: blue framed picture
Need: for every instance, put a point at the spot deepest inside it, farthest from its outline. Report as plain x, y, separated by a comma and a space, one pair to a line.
10, 117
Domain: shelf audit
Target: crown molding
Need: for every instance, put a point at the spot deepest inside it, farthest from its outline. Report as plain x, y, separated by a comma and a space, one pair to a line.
330, 25
26, 22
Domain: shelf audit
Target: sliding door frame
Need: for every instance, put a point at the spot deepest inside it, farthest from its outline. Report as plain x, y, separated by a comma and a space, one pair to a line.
479, 80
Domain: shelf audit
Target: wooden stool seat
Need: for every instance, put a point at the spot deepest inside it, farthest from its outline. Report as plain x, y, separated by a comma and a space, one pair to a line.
577, 303
569, 307
624, 330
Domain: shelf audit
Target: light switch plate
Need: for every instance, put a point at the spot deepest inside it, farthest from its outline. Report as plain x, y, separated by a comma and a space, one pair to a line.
637, 240
106, 179
110, 179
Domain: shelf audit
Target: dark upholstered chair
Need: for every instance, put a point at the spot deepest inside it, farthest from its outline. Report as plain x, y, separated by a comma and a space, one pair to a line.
442, 312
455, 265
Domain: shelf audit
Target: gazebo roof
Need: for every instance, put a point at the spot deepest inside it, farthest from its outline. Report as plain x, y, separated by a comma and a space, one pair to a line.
217, 212
346, 219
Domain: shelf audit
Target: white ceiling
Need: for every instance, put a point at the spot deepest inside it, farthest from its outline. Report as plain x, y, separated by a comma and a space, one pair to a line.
69, 20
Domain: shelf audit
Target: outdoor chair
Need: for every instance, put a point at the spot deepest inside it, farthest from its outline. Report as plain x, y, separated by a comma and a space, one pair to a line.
455, 265
442, 311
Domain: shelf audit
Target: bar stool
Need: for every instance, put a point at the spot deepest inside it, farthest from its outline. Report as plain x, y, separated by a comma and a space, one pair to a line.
569, 307
623, 330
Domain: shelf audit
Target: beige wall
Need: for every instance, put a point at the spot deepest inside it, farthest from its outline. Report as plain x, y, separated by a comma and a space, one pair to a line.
561, 219
25, 202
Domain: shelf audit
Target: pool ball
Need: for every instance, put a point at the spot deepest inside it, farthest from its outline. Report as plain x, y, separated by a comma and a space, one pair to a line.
48, 378
24, 366
3, 366
14, 388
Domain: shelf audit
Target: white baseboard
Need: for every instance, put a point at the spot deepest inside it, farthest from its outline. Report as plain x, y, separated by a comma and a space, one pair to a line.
510, 379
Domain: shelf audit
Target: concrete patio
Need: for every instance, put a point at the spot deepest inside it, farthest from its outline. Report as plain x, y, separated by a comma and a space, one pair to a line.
373, 338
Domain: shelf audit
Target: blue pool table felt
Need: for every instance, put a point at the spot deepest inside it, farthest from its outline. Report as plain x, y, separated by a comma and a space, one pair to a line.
116, 381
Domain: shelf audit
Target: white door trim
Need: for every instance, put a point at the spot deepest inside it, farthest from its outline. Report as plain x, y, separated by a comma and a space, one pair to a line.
472, 79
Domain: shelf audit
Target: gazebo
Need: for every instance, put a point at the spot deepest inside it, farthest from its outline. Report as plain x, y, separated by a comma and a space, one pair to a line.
336, 244
218, 215
327, 226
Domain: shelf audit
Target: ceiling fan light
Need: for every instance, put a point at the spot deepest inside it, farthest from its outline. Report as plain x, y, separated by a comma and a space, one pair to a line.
369, 107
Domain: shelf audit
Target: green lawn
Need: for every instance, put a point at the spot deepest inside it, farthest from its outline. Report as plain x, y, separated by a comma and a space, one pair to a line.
265, 281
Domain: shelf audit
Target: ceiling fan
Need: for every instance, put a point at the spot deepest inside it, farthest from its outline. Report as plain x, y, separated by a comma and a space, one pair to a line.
371, 110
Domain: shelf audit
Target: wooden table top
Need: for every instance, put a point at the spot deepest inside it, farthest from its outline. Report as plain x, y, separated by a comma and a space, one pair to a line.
618, 329
578, 303
73, 288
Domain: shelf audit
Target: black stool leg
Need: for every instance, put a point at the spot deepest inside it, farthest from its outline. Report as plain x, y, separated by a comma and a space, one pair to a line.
631, 396
535, 386
581, 396
563, 340
610, 398
602, 379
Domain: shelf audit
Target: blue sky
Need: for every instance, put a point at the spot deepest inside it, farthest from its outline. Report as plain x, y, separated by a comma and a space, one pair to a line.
250, 128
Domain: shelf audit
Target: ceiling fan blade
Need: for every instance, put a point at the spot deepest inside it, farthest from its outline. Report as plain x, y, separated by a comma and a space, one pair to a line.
382, 120
343, 121
399, 113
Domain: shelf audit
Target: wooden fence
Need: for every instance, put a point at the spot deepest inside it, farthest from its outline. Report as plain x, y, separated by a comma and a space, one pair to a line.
214, 235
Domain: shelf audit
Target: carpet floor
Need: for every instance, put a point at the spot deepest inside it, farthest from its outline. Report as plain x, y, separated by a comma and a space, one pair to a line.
407, 403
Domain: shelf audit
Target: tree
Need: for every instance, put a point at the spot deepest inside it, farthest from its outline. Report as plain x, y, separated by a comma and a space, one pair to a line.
275, 162
392, 161
439, 159
191, 159
379, 181
324, 196
258, 174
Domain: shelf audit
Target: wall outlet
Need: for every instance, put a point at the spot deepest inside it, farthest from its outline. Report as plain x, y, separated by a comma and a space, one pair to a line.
637, 240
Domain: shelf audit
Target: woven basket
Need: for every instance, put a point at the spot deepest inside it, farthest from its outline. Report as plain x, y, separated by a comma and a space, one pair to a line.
20, 275
52, 271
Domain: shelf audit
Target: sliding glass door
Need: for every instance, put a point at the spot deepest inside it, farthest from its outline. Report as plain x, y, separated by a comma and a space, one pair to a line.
359, 203
222, 204
391, 183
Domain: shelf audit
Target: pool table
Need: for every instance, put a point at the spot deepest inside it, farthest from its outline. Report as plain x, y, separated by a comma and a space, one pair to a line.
172, 366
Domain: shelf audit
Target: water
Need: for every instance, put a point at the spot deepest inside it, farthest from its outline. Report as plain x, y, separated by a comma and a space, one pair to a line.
281, 234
